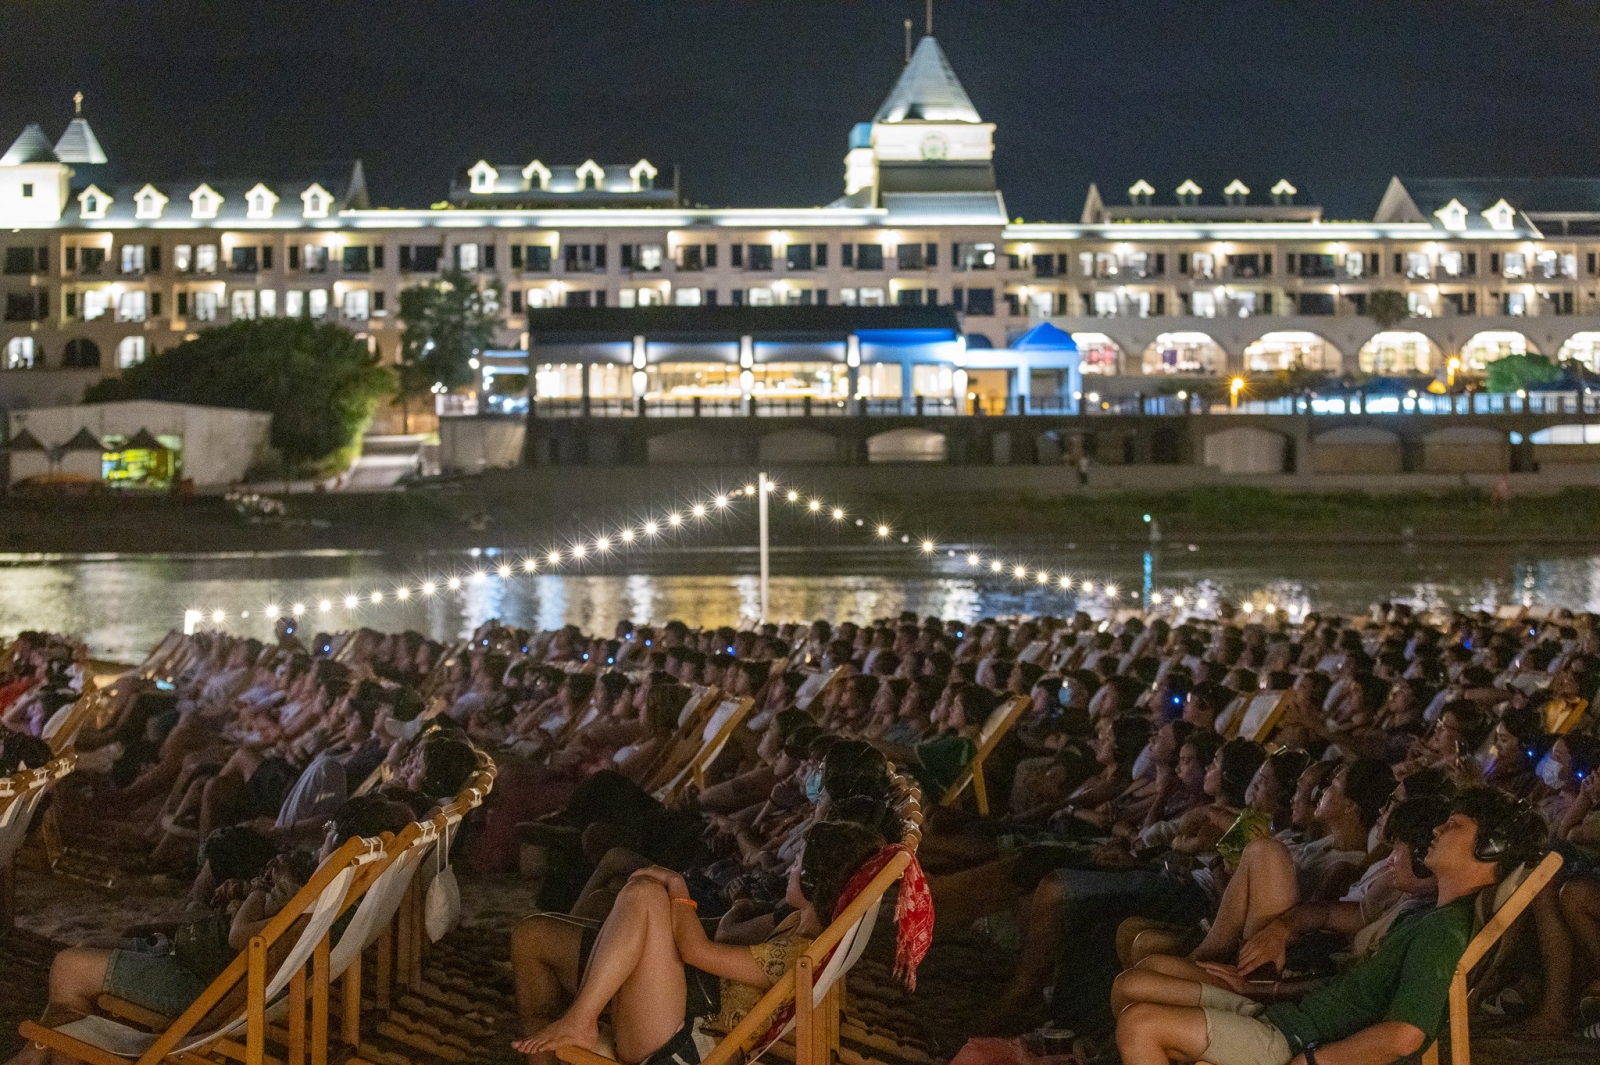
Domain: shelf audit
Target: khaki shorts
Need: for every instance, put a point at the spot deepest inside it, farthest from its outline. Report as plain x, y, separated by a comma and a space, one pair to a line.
1233, 1034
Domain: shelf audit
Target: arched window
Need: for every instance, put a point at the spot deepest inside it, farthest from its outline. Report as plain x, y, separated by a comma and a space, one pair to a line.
130, 352
21, 353
81, 354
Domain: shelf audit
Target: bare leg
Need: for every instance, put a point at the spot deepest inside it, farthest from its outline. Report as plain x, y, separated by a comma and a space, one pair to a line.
544, 971
1150, 1034
1555, 954
77, 976
600, 891
961, 898
1580, 909
636, 963
1263, 887
1160, 978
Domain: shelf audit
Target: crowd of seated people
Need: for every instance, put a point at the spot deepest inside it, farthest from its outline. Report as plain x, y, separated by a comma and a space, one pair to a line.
1269, 883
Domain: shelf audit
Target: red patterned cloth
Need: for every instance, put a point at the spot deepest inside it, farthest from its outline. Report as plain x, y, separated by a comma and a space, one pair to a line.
913, 913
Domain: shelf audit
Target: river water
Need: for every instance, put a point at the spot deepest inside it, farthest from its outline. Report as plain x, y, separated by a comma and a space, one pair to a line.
122, 605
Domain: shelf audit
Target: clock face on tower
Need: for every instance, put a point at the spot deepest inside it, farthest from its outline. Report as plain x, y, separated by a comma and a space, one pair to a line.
934, 146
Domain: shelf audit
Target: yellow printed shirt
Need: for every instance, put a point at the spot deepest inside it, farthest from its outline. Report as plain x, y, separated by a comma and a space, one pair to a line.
776, 956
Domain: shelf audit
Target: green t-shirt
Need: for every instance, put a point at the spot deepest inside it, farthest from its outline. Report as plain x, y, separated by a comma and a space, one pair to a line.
1406, 980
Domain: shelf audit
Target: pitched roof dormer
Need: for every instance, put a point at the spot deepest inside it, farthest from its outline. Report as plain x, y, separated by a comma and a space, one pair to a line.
204, 202
537, 171
149, 203
591, 170
260, 202
1502, 217
483, 176
1453, 216
1141, 193
92, 203
315, 201
643, 175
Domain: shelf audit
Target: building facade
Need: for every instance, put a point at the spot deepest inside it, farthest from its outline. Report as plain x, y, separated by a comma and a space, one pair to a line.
99, 271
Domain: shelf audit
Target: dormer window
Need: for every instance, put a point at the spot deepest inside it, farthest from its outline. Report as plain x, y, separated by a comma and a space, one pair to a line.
148, 203
1141, 193
1453, 216
1283, 193
1237, 193
482, 177
206, 202
260, 202
315, 202
1502, 216
92, 203
643, 175
591, 177
537, 171
1189, 194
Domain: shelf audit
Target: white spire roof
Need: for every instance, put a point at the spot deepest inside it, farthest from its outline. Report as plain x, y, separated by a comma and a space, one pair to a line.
928, 90
31, 146
78, 144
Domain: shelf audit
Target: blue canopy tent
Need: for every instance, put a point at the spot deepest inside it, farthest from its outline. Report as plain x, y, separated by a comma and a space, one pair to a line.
1044, 347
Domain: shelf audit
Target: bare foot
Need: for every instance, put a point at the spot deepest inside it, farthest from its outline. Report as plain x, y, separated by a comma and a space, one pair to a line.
566, 1031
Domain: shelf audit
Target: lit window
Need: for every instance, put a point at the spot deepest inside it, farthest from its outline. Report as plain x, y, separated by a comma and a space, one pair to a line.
466, 257
243, 304
267, 300
130, 352
131, 306
687, 297
205, 259
1418, 265
1203, 304
92, 202
356, 304
133, 258
95, 304
652, 297
205, 306
871, 297
294, 303
650, 257
1419, 304
847, 297
1205, 265
183, 258
1450, 263
762, 297
19, 353
1516, 264
1355, 264
1105, 304
315, 259
317, 302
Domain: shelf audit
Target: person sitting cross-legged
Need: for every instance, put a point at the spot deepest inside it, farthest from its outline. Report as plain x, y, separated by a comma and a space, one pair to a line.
1387, 1006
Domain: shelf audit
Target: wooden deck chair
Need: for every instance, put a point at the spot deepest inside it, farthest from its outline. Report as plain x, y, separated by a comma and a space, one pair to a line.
676, 753
1263, 713
237, 999
1232, 717
1482, 943
813, 686
719, 728
814, 986
61, 731
1000, 721
20, 796
155, 662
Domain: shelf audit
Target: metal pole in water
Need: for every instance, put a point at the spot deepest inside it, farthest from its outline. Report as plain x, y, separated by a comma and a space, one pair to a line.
763, 489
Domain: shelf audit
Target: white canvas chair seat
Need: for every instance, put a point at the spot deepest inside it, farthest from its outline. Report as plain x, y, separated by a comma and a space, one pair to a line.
126, 1041
20, 796
719, 727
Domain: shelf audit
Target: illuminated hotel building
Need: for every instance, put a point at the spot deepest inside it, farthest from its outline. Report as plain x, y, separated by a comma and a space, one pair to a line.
1230, 276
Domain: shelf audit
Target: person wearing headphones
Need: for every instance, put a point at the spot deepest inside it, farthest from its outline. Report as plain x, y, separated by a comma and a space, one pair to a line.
1387, 1006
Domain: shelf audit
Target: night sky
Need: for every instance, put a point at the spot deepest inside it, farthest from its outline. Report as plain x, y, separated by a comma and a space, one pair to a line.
753, 101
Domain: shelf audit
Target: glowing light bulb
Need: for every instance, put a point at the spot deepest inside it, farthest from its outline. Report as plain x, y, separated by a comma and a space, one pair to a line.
793, 497
478, 576
699, 510
1020, 572
454, 584
217, 616
529, 565
427, 587
883, 530
504, 571
838, 515
1088, 586
377, 597
272, 610
749, 489
578, 550
1044, 577
973, 560
1248, 608
350, 602
602, 543
927, 547
814, 506
1177, 600
1066, 582
1272, 608
1155, 597
721, 501
649, 528
299, 608
402, 594
554, 557
674, 519
626, 536
324, 606
995, 567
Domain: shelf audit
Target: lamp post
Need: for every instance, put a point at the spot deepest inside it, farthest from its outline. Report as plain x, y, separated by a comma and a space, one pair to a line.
763, 488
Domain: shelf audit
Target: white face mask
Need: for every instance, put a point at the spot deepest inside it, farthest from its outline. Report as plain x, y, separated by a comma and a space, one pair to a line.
1551, 772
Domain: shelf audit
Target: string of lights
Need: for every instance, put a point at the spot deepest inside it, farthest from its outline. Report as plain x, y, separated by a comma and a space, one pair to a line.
663, 526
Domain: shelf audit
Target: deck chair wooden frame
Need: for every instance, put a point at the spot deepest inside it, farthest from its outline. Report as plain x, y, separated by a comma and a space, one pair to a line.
813, 986
815, 686
61, 731
1000, 722
319, 902
20, 796
678, 751
714, 736
1482, 943
1262, 714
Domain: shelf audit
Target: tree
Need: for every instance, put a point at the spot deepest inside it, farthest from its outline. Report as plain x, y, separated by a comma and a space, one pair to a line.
447, 323
1388, 307
319, 383
1515, 373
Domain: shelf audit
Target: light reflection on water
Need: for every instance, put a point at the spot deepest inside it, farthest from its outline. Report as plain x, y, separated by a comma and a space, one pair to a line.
122, 606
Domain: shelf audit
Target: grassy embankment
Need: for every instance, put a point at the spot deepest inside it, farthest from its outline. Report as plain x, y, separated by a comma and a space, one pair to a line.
483, 512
